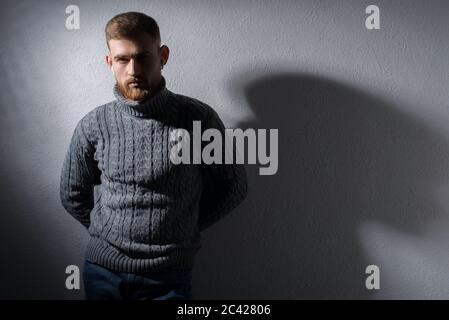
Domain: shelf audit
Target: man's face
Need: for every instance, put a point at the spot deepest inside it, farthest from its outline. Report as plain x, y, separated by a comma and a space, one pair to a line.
136, 64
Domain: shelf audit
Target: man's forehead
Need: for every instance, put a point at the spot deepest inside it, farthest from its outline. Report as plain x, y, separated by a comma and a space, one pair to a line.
132, 47
132, 53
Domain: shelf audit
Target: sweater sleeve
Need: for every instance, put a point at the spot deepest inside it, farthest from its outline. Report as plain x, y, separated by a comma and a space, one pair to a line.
78, 176
224, 185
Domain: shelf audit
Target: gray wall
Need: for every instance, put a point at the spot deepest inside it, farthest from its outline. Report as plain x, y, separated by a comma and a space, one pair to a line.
363, 142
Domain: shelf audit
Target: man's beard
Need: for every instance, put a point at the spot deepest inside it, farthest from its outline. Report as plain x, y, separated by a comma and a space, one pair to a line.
134, 93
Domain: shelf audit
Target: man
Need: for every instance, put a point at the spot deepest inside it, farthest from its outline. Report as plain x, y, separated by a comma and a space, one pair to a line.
144, 214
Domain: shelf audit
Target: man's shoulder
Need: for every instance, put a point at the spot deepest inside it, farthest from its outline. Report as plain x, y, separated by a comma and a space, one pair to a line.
90, 122
95, 113
194, 106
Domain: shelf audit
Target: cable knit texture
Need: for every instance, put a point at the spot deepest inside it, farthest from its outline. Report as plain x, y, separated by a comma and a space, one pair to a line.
143, 212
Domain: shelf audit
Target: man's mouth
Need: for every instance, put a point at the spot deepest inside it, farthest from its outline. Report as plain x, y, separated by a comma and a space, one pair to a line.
135, 83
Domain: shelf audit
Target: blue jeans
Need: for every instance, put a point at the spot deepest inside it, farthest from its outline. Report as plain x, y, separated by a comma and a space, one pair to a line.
104, 284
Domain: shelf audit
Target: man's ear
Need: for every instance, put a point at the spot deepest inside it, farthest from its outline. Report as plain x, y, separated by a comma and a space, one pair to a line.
108, 60
164, 53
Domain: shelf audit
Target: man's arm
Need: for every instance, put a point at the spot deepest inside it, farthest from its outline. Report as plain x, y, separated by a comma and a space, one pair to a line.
78, 176
225, 185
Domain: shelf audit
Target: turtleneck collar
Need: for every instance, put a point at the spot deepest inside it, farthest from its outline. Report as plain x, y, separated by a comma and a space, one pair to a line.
146, 108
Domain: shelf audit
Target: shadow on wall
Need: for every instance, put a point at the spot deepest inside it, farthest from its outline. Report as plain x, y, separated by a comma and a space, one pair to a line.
345, 158
33, 259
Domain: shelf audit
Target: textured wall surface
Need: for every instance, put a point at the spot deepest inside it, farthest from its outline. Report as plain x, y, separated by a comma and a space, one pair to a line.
363, 141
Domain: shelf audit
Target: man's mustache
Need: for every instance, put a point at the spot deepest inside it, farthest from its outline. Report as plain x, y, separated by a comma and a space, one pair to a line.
135, 80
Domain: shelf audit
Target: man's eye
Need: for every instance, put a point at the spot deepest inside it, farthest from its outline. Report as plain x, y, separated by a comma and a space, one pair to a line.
122, 60
142, 58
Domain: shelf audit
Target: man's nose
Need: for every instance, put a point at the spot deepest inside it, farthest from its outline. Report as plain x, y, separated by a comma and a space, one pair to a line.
133, 68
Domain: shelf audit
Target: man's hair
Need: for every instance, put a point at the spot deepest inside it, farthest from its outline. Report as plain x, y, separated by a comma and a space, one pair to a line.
130, 25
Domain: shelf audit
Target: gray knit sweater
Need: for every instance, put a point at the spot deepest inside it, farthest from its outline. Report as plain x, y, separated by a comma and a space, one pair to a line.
143, 212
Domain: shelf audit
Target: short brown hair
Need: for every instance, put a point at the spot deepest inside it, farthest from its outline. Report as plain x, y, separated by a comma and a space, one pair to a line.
130, 25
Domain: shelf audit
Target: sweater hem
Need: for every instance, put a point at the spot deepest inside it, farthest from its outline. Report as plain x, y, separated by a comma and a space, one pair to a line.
104, 254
